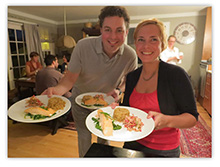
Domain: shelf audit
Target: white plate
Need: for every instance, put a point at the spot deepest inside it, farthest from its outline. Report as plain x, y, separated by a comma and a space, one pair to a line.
123, 134
108, 99
16, 111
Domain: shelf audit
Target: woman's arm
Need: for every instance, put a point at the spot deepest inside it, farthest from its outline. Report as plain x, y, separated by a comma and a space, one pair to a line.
181, 121
172, 58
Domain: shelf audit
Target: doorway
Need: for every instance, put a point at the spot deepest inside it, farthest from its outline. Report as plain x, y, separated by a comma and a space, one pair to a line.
17, 53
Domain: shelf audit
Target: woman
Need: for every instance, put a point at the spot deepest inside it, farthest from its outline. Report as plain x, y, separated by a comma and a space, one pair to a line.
162, 90
63, 67
33, 66
171, 54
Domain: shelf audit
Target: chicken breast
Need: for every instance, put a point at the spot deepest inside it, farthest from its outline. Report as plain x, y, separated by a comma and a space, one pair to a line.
40, 111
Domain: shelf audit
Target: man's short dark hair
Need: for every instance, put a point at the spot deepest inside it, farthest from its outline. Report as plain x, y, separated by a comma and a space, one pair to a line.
49, 59
110, 11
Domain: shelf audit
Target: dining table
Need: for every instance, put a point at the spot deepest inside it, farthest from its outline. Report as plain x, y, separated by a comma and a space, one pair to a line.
26, 83
98, 150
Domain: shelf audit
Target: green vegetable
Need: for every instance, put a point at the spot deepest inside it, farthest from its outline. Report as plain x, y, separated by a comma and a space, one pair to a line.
98, 105
116, 127
45, 108
97, 126
106, 115
38, 116
86, 105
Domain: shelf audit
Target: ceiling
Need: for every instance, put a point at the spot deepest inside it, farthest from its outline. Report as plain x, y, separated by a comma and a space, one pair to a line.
77, 14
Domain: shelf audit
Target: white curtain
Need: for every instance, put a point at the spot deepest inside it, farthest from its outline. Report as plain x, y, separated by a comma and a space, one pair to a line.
33, 40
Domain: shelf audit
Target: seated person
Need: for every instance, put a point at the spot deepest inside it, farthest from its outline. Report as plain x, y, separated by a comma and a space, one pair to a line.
66, 59
33, 66
49, 76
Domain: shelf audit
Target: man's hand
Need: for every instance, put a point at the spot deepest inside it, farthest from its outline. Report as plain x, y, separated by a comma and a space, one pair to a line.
113, 105
49, 92
115, 94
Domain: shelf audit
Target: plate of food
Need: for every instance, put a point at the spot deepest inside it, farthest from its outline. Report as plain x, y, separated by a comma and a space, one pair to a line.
94, 100
40, 108
121, 124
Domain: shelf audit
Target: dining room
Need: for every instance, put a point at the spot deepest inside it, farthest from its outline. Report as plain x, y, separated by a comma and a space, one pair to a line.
56, 30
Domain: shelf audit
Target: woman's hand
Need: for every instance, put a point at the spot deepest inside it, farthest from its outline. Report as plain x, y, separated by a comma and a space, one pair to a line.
181, 121
159, 119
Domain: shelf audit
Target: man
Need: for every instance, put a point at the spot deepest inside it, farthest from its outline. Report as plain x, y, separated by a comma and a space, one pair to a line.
171, 54
98, 64
49, 76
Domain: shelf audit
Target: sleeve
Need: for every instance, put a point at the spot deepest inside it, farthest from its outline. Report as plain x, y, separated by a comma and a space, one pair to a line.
183, 93
133, 65
163, 56
178, 55
75, 64
131, 58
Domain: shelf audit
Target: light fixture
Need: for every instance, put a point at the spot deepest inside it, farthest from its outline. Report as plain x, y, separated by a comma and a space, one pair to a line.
45, 46
66, 41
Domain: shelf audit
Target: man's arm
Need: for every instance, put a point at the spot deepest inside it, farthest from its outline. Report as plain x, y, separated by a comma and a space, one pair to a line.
65, 84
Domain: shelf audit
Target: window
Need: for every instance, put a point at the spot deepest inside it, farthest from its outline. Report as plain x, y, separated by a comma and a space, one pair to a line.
17, 46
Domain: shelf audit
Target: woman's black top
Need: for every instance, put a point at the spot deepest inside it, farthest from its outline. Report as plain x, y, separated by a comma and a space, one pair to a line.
174, 90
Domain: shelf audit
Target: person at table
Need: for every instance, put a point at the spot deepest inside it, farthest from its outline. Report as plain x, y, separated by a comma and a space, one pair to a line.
98, 64
33, 66
160, 89
49, 76
63, 67
171, 54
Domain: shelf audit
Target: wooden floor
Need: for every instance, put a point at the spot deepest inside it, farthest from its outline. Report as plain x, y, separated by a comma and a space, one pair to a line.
33, 140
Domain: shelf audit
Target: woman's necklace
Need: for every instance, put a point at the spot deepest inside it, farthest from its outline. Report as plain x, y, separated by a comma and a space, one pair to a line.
149, 77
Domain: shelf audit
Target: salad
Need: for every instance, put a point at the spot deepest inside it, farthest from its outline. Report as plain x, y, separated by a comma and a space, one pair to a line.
133, 123
34, 102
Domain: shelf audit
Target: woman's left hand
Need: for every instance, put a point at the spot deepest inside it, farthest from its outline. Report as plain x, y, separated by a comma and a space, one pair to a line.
159, 119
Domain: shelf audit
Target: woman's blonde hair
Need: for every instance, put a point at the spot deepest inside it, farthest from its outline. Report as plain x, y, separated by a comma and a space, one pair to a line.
161, 27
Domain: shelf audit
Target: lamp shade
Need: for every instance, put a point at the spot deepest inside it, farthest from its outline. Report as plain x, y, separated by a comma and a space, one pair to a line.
66, 41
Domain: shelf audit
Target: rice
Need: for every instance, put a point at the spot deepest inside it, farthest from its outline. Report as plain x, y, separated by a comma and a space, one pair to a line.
120, 114
56, 103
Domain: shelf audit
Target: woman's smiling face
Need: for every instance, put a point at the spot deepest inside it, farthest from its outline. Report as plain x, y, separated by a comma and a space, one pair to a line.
148, 43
